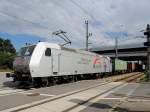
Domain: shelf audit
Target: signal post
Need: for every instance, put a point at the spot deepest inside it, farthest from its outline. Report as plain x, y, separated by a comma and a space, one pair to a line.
147, 33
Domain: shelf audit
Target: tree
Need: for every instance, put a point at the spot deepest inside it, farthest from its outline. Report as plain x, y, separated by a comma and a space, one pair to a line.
7, 53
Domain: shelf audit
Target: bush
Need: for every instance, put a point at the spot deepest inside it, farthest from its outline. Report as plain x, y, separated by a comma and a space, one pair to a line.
144, 78
6, 60
7, 53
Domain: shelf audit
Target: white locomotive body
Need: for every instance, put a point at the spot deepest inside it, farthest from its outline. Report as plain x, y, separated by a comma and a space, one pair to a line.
53, 60
45, 60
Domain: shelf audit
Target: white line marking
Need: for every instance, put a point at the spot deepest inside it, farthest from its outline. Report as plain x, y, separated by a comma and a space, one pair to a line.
110, 98
131, 91
5, 92
27, 93
138, 100
112, 91
81, 107
47, 95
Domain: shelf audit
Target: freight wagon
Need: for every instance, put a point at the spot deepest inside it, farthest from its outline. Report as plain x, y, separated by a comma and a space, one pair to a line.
46, 62
119, 66
134, 66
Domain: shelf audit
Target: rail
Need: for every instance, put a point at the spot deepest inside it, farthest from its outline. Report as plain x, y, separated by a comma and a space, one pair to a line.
124, 78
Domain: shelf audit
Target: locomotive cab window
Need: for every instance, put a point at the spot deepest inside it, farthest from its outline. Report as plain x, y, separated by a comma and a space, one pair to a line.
48, 52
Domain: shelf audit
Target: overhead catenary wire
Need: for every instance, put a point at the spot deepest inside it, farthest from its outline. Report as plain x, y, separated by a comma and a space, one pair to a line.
24, 20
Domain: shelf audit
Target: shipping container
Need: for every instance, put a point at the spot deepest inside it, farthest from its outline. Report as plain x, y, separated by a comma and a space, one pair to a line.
119, 65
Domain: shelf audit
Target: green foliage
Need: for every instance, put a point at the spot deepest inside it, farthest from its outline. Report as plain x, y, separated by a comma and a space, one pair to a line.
144, 78
6, 46
7, 53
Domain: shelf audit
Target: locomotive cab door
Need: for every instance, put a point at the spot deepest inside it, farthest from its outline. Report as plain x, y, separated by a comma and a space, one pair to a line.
44, 68
55, 62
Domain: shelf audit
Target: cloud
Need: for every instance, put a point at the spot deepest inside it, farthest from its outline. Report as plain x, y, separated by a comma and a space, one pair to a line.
42, 17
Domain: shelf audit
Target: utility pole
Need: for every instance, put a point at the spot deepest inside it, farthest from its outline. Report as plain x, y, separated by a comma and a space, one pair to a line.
87, 34
116, 47
147, 33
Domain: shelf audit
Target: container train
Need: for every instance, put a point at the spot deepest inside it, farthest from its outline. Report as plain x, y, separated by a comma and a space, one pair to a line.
46, 63
119, 66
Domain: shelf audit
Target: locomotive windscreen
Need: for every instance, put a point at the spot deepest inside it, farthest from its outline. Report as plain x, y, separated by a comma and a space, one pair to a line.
26, 51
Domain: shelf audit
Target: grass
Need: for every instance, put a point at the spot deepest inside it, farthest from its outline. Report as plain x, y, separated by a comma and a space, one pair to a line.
5, 70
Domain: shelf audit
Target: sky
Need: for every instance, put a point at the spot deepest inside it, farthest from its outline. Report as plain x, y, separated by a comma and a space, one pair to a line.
28, 21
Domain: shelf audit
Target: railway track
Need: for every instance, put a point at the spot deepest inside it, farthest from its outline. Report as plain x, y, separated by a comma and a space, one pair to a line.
120, 79
134, 78
10, 91
125, 79
130, 78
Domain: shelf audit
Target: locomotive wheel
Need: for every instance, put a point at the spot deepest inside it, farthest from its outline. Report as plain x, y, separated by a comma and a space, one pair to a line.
50, 81
37, 82
72, 79
54, 80
45, 83
75, 79
97, 76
